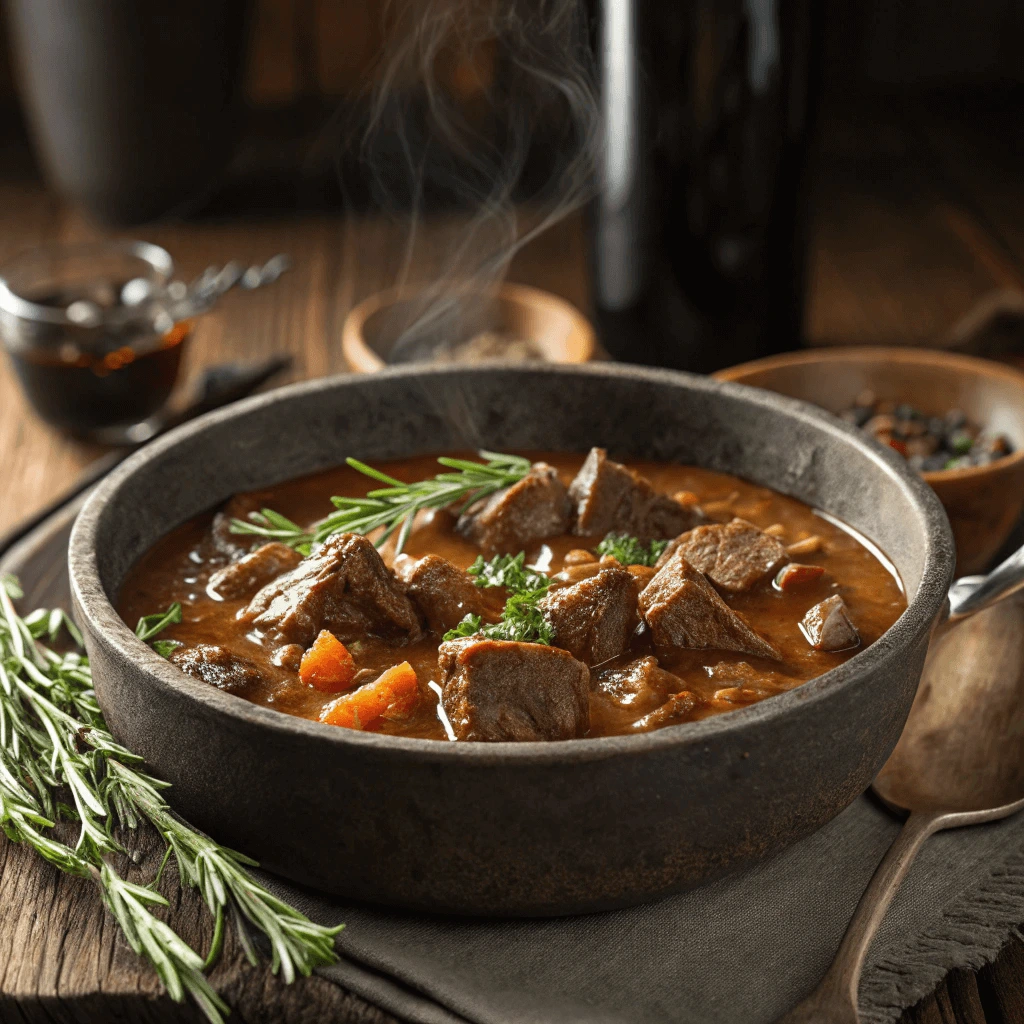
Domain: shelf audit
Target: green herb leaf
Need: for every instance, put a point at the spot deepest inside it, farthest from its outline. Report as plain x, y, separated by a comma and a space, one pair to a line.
469, 626
630, 551
12, 586
507, 571
272, 525
165, 647
522, 618
394, 506
149, 625
55, 744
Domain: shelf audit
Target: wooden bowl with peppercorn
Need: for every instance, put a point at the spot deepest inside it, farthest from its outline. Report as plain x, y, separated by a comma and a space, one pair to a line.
958, 420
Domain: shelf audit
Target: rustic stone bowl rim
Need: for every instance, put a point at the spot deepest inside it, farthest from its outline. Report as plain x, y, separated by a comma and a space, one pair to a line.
921, 610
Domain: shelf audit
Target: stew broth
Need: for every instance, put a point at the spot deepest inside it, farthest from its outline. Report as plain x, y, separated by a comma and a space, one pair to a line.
179, 567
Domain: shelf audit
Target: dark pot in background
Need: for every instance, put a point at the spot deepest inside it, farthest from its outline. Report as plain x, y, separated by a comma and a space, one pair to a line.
134, 107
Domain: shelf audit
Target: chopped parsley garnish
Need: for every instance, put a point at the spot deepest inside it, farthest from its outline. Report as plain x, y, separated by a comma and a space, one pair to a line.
630, 551
522, 619
507, 571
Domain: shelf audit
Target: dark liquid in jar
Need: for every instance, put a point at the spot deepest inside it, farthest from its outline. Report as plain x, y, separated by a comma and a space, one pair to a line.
89, 379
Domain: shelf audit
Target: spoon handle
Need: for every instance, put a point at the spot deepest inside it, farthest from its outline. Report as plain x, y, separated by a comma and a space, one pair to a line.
973, 593
834, 1001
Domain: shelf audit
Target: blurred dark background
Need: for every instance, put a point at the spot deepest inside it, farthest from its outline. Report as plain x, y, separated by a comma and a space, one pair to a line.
896, 209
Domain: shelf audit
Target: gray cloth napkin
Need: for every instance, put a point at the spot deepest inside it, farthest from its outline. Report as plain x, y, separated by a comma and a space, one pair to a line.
743, 949
738, 951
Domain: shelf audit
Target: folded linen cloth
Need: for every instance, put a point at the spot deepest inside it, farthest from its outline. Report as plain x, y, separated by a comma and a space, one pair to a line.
738, 951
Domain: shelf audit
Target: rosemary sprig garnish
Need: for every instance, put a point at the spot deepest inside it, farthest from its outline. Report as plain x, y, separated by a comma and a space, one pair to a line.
522, 618
394, 506
53, 741
271, 525
630, 551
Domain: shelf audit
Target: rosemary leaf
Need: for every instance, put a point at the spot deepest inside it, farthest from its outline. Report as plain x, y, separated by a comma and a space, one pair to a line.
394, 506
150, 625
53, 740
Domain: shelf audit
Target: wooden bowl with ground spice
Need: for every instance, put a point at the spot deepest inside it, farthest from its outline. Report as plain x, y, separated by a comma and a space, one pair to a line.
515, 323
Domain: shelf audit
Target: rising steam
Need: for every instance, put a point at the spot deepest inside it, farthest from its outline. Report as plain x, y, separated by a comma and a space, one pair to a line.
466, 88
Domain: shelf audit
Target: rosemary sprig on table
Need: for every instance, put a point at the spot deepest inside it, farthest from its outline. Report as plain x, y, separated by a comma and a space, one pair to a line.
53, 741
522, 618
394, 506
630, 551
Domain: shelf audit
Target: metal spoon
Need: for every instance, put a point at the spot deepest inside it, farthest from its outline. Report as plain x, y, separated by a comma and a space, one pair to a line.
957, 763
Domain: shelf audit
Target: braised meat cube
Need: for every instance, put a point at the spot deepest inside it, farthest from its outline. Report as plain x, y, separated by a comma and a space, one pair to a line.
217, 666
513, 519
503, 690
444, 593
641, 684
344, 586
608, 497
594, 619
734, 556
738, 673
683, 610
675, 709
828, 626
252, 571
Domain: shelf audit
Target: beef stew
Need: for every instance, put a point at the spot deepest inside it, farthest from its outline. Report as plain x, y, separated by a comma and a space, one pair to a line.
646, 595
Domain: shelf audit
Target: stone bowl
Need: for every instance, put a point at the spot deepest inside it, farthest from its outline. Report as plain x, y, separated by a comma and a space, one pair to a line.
506, 828
983, 503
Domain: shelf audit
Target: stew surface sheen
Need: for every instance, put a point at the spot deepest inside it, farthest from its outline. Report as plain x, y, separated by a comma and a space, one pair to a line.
179, 566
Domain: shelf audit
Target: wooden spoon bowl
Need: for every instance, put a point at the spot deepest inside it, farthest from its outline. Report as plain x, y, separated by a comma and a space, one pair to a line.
983, 502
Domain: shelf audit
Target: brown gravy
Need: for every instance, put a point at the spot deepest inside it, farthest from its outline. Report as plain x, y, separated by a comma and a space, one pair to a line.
178, 568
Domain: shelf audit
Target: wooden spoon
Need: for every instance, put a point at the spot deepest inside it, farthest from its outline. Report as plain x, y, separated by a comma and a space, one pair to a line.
958, 762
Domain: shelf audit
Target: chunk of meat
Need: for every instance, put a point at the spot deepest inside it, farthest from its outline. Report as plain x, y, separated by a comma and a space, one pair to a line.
217, 666
728, 674
595, 618
252, 571
505, 690
683, 610
675, 709
828, 626
734, 556
511, 520
444, 593
642, 683
344, 586
608, 497
234, 544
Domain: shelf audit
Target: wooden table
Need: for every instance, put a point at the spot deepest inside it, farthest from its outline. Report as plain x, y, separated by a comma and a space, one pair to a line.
917, 220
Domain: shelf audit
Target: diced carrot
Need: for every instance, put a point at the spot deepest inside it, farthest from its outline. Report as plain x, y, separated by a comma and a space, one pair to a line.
328, 665
900, 446
391, 695
797, 575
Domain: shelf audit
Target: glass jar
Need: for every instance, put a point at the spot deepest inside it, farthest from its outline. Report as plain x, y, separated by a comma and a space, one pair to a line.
89, 337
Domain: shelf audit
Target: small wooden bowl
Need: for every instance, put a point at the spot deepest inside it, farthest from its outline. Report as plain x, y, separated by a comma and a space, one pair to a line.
561, 332
983, 502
